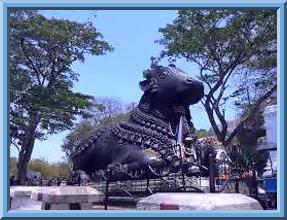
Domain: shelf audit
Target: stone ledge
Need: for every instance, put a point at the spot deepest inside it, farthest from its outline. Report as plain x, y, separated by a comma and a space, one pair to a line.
72, 194
57, 197
198, 201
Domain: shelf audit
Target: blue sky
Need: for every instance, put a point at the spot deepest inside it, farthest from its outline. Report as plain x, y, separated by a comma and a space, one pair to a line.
132, 33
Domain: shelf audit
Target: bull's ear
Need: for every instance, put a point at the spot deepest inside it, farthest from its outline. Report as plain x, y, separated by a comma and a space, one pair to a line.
149, 85
154, 88
145, 85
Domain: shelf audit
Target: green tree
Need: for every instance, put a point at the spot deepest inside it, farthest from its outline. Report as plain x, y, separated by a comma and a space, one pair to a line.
63, 169
202, 133
42, 166
49, 170
105, 109
223, 43
13, 166
42, 52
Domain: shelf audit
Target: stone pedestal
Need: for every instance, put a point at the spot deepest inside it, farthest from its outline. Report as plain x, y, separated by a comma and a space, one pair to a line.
68, 197
54, 197
20, 198
198, 201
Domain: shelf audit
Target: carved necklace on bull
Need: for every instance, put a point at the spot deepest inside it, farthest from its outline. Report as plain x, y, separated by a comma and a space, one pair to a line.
150, 129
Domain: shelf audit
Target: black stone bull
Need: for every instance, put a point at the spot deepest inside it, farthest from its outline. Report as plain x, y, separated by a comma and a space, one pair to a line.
147, 144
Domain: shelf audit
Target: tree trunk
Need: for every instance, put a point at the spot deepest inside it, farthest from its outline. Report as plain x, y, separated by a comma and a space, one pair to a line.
221, 134
23, 160
25, 153
253, 109
22, 170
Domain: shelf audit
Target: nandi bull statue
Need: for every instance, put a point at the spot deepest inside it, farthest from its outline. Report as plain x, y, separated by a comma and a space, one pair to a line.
156, 139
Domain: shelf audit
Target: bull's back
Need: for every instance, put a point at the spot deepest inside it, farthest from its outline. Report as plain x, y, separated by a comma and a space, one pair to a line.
94, 152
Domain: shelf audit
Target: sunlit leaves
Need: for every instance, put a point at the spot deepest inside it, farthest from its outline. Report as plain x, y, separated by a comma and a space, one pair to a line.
224, 44
42, 52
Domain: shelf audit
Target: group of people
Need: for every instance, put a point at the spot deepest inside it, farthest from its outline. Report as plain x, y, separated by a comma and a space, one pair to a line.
35, 181
76, 178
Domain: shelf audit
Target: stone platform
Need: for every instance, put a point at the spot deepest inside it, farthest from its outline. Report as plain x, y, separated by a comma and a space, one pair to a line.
71, 197
198, 201
20, 198
54, 197
75, 197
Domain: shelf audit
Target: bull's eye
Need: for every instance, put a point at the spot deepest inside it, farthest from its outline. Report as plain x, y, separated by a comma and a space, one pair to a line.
188, 80
162, 75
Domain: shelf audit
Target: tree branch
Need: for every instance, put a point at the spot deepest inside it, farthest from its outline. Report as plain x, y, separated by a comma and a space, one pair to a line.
212, 120
222, 89
32, 66
15, 145
255, 107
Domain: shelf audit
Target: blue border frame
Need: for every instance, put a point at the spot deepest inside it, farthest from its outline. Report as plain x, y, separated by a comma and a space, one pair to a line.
112, 4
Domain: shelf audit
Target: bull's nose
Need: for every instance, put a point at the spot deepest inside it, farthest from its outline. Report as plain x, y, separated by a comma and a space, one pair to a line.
201, 85
199, 88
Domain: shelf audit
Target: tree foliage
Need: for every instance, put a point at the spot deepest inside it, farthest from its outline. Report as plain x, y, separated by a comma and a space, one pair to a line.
202, 133
42, 52
105, 109
224, 44
49, 170
13, 166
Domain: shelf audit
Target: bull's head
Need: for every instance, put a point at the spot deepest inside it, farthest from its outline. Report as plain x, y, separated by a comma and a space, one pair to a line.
172, 86
171, 91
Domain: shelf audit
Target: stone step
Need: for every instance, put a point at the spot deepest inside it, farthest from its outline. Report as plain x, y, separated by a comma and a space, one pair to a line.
198, 201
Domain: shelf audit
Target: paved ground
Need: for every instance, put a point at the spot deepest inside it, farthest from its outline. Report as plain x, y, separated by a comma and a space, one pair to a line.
198, 201
25, 198
186, 200
115, 204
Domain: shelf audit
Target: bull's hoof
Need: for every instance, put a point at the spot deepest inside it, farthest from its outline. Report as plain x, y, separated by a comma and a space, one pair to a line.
135, 173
